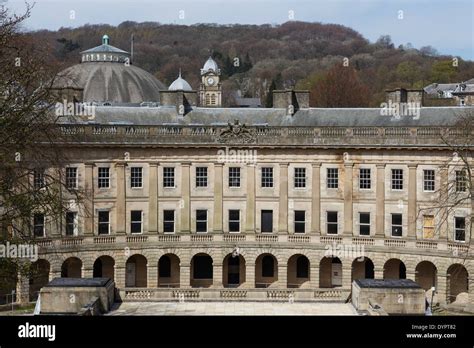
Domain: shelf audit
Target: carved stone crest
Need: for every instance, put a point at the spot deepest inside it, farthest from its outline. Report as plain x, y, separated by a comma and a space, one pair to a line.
236, 133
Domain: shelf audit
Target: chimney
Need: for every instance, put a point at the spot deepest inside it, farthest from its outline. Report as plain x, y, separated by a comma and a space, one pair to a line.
402, 95
183, 101
291, 100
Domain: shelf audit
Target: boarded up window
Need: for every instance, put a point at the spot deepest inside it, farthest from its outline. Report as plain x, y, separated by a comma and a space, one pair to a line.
428, 226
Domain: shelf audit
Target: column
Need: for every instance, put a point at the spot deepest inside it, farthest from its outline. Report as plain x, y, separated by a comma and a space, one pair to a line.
316, 199
87, 272
119, 276
378, 272
22, 289
347, 274
380, 201
249, 276
152, 275
282, 276
218, 179
441, 287
412, 200
283, 207
121, 194
184, 275
185, 196
250, 204
153, 199
348, 180
314, 276
217, 275
471, 288
89, 199
411, 274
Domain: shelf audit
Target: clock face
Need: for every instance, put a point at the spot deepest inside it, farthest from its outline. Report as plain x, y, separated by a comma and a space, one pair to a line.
210, 81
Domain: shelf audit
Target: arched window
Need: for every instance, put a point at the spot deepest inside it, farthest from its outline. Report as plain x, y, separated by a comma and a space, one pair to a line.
268, 265
302, 266
164, 267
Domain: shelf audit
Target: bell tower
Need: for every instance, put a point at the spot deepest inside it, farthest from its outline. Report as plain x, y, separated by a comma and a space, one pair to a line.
210, 89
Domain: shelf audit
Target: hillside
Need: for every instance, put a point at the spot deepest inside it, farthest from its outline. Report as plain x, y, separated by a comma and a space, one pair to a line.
292, 54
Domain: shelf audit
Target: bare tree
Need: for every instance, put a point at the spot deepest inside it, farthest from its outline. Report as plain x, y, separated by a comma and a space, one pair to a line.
31, 164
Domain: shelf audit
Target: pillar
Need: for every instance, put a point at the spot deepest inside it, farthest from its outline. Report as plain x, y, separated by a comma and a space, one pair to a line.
89, 199
184, 275
316, 199
250, 211
283, 206
120, 202
217, 275
314, 276
153, 199
185, 196
442, 288
22, 289
380, 201
249, 276
282, 276
87, 272
412, 200
347, 274
348, 180
152, 275
218, 187
378, 272
471, 289
119, 276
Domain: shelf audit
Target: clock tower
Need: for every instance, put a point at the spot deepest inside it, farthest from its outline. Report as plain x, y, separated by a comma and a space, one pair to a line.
210, 90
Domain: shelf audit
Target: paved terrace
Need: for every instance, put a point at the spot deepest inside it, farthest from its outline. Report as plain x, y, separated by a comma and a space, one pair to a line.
231, 308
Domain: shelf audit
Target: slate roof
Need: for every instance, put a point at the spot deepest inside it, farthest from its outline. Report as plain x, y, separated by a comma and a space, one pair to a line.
388, 283
311, 117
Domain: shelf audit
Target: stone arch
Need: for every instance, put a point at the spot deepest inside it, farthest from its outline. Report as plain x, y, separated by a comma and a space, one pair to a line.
136, 271
266, 270
71, 268
362, 268
330, 272
457, 281
426, 274
394, 269
233, 270
201, 271
298, 271
169, 271
104, 267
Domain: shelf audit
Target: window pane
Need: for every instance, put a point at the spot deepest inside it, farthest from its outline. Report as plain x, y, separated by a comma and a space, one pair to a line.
267, 221
332, 177
201, 176
300, 177
267, 177
168, 177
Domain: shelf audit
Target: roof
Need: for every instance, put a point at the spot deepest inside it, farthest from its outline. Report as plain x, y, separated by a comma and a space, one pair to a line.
210, 65
105, 48
435, 88
311, 117
111, 82
388, 283
78, 282
180, 84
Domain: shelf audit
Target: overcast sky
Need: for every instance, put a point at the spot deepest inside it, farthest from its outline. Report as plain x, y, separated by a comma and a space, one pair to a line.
447, 25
